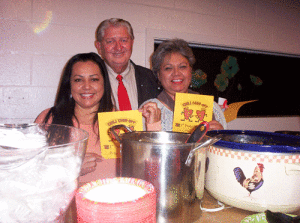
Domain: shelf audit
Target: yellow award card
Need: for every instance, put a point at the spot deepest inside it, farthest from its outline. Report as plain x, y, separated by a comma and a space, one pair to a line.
190, 110
110, 147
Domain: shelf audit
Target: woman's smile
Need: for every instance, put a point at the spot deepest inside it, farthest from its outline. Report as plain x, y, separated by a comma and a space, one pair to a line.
87, 96
177, 81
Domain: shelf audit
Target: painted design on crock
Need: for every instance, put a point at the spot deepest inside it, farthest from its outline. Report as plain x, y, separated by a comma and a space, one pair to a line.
253, 183
259, 158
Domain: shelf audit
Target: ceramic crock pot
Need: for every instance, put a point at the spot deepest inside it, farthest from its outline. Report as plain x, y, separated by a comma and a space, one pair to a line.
254, 170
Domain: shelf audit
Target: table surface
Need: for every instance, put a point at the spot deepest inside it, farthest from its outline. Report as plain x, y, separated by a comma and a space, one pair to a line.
228, 214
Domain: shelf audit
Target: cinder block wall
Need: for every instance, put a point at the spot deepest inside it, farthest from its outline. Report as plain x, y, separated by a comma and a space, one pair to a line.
37, 37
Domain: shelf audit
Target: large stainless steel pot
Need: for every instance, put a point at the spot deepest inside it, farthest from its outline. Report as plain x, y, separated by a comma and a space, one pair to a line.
255, 170
159, 158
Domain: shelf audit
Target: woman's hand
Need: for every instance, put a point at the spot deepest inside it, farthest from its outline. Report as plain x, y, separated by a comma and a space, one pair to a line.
89, 163
151, 112
215, 125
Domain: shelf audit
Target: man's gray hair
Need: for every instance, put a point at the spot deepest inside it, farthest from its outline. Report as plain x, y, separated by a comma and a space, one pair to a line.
116, 22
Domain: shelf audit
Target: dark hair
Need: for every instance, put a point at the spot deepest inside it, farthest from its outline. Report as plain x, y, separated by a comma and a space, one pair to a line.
63, 109
116, 22
168, 47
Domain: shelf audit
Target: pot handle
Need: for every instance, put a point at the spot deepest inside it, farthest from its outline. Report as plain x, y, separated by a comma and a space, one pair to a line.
112, 130
208, 142
292, 169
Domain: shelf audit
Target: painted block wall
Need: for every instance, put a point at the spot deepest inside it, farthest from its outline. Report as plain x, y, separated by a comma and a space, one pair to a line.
37, 37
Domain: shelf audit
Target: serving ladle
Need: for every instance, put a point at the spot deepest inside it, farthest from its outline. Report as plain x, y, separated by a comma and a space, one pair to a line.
196, 137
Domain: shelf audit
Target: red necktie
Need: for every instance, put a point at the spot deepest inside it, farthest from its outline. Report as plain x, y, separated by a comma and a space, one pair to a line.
124, 103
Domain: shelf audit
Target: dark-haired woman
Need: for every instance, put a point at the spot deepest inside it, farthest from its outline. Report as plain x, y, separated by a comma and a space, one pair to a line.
83, 92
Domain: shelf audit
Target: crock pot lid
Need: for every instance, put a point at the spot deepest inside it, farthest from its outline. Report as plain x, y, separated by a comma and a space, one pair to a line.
257, 141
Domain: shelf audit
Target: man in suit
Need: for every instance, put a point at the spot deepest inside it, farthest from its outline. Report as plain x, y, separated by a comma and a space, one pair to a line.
114, 42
